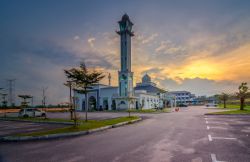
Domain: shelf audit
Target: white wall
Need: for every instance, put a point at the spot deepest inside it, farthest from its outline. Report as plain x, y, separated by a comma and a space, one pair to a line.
150, 100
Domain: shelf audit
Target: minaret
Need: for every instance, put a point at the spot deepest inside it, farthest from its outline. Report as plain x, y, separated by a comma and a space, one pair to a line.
125, 75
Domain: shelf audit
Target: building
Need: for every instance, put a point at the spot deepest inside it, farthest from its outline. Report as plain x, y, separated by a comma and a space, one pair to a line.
182, 97
151, 88
145, 95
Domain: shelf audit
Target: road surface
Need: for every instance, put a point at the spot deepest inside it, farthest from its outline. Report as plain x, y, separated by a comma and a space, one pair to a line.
177, 137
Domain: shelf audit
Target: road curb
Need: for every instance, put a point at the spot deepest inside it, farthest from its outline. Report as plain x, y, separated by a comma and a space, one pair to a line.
64, 135
230, 114
45, 122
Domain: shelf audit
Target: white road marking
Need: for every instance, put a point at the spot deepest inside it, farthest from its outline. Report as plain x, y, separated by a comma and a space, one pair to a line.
213, 156
229, 138
208, 127
218, 128
223, 123
209, 137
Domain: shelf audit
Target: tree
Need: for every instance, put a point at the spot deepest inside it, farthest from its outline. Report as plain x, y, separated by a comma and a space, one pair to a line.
242, 94
224, 97
24, 103
83, 79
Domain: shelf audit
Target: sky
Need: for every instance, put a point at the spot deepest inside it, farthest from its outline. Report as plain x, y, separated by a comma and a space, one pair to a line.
202, 46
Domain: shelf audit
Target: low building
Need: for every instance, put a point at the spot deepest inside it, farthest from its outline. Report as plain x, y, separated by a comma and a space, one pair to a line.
182, 97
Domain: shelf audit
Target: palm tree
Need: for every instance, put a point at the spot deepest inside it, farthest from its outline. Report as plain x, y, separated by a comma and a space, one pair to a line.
242, 94
83, 79
224, 97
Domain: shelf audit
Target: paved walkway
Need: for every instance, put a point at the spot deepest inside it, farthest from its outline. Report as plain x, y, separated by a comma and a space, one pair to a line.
177, 137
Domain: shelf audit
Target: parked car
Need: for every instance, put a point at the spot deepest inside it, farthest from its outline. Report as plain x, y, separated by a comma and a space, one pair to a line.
183, 105
31, 112
211, 105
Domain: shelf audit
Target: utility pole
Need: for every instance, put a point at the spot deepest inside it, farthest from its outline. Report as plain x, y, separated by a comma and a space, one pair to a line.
44, 96
11, 84
109, 77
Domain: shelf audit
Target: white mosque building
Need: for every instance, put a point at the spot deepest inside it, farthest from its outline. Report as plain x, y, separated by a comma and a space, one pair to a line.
146, 95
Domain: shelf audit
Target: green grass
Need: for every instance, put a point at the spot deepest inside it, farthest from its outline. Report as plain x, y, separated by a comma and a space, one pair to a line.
165, 110
150, 110
235, 110
233, 106
83, 126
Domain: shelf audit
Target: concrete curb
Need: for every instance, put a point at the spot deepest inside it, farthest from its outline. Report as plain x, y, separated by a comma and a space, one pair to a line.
63, 135
45, 122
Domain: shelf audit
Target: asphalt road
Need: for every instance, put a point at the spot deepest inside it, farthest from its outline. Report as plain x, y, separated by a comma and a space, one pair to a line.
176, 137
14, 127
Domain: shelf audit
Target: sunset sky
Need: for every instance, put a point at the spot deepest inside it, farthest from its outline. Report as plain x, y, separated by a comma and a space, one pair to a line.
195, 45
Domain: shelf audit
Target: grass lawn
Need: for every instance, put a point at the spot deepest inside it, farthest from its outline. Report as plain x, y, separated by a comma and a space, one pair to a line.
83, 126
235, 110
232, 112
165, 110
233, 106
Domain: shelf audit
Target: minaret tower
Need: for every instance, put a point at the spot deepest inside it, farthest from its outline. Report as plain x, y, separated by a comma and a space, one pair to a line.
125, 74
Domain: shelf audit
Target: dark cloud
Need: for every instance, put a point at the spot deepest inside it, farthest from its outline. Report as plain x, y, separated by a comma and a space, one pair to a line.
36, 64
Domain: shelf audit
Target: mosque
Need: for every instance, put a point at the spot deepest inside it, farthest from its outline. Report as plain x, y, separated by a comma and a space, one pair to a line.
145, 95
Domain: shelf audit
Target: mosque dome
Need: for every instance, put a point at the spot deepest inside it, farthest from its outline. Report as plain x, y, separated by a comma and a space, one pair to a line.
146, 79
125, 17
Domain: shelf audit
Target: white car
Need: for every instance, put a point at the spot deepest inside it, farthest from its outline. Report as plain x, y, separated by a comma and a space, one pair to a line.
31, 112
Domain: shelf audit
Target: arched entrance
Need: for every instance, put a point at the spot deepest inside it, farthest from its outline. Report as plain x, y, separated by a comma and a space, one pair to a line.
136, 105
105, 105
92, 103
